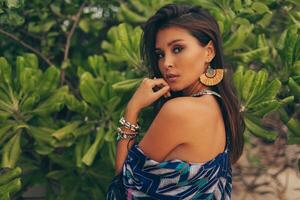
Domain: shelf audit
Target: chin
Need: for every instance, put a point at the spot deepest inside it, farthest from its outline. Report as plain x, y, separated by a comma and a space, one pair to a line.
175, 89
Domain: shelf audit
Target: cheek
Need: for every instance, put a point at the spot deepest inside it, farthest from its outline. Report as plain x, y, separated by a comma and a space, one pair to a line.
193, 61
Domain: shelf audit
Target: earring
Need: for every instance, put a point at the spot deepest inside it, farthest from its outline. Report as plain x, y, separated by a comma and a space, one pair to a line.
211, 76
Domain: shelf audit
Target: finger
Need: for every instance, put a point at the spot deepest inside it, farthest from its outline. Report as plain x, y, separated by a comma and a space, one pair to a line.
167, 94
158, 82
162, 91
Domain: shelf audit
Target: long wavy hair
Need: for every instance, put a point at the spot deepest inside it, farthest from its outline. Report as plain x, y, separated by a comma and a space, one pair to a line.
202, 25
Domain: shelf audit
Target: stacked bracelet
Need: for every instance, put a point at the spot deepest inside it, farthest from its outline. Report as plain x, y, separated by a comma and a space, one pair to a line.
129, 125
127, 135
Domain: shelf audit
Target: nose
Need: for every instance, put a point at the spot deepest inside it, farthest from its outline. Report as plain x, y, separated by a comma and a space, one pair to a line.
168, 62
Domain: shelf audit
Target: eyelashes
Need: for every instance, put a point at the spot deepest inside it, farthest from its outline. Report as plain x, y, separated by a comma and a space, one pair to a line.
176, 50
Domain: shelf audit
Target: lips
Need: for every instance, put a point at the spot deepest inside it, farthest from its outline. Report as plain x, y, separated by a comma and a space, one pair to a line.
172, 77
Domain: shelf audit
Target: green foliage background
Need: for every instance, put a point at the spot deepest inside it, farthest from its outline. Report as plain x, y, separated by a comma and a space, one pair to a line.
69, 67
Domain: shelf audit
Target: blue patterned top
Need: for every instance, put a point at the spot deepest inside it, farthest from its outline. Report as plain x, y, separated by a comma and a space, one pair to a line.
145, 178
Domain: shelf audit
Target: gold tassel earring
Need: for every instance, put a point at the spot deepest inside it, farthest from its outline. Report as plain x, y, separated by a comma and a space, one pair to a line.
212, 76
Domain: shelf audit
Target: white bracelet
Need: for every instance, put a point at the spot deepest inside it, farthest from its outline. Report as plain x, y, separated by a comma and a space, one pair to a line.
129, 125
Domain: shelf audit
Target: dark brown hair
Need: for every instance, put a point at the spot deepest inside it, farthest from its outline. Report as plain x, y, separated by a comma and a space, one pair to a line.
204, 27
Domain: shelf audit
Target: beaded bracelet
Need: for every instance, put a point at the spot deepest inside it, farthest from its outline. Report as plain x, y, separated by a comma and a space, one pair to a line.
129, 125
127, 133
125, 136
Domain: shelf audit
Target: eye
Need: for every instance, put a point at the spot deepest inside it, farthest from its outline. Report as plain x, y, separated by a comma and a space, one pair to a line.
159, 55
177, 49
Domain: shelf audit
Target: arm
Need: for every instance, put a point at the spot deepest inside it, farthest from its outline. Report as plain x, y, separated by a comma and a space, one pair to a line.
131, 115
143, 97
170, 128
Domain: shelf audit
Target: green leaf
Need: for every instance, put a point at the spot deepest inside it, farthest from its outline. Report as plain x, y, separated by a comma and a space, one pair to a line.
5, 71
52, 104
254, 125
13, 3
43, 148
11, 187
42, 135
292, 138
289, 44
126, 85
236, 39
260, 53
57, 174
110, 135
14, 19
78, 151
84, 25
237, 5
31, 60
257, 84
296, 68
28, 85
29, 103
294, 126
4, 129
294, 87
61, 160
238, 79
48, 25
260, 7
265, 107
248, 83
88, 89
11, 151
266, 20
97, 65
66, 131
268, 92
48, 82
130, 16
65, 64
280, 42
75, 105
10, 175
90, 155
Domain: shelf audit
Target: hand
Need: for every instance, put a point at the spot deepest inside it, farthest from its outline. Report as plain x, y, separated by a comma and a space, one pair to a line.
145, 95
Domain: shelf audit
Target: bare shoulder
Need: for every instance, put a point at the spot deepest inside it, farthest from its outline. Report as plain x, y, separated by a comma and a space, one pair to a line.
175, 124
199, 109
203, 102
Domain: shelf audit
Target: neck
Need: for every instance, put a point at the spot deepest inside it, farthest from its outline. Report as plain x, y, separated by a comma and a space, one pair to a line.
194, 88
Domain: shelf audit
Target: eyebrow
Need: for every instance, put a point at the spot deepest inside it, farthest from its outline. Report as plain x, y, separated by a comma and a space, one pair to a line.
170, 43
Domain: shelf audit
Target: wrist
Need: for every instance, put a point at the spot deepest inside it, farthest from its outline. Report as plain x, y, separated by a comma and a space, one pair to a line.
131, 114
131, 109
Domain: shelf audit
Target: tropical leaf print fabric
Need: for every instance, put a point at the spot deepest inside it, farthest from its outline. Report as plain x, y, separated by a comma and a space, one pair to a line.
145, 178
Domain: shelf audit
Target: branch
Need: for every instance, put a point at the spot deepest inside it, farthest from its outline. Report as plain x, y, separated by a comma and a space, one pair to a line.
69, 37
70, 34
11, 36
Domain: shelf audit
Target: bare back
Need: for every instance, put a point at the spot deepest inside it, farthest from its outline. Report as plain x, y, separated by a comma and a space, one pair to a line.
205, 141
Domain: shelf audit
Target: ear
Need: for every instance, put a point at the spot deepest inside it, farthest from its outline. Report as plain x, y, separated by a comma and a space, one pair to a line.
210, 51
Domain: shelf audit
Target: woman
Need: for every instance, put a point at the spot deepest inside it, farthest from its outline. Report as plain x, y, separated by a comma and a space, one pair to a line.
189, 148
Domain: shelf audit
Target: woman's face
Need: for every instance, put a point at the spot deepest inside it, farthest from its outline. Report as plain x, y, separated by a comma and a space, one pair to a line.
179, 53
